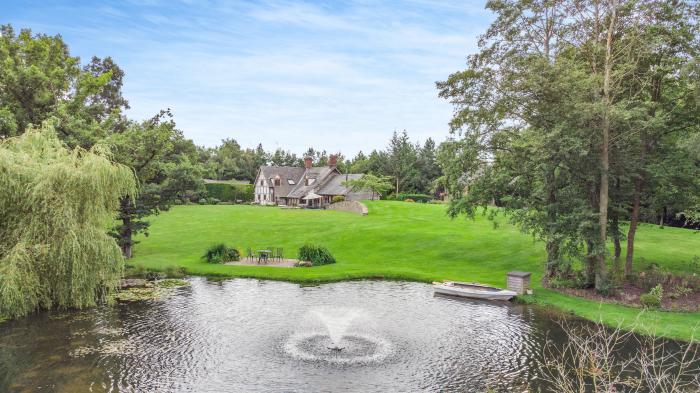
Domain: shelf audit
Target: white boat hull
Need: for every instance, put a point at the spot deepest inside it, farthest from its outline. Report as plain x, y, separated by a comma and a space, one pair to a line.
474, 293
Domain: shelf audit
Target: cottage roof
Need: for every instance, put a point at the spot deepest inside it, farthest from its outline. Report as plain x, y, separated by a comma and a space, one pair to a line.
285, 173
335, 185
319, 174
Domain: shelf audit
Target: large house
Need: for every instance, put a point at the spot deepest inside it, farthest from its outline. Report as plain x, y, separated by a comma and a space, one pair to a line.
309, 186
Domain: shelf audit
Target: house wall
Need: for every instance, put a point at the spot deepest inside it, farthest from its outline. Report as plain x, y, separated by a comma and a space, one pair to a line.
264, 194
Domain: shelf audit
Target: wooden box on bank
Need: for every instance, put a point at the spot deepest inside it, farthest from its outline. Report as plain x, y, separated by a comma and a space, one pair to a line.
519, 281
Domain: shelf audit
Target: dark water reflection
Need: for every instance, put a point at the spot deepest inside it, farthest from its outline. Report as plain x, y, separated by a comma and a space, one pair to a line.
231, 336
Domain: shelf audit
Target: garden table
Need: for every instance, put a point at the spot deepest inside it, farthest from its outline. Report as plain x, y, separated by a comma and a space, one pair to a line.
263, 255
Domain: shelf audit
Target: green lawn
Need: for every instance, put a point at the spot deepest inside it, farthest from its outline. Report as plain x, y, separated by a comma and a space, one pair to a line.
398, 241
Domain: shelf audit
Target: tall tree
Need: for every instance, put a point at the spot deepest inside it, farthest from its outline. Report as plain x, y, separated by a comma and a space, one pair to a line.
401, 159
150, 148
54, 205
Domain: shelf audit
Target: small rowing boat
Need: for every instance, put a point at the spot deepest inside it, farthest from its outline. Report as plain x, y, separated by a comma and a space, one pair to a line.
472, 290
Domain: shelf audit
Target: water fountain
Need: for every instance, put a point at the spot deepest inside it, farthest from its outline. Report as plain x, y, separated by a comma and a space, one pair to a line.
337, 335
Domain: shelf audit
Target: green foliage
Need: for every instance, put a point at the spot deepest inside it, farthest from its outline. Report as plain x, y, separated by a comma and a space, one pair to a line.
54, 206
422, 198
230, 192
338, 198
653, 298
567, 165
202, 201
41, 81
214, 201
378, 185
174, 271
219, 253
317, 255
575, 280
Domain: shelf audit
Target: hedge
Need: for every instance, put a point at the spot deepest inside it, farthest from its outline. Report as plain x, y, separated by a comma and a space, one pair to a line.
230, 192
423, 198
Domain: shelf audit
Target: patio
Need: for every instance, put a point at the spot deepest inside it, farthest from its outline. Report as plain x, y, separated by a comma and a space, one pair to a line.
270, 262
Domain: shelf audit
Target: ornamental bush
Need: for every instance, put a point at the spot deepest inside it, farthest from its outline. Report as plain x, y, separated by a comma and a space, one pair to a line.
317, 255
338, 198
219, 253
653, 298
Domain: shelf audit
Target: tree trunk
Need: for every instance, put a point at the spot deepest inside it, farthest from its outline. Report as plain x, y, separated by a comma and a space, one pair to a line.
590, 263
600, 276
616, 236
552, 246
125, 241
552, 258
634, 221
662, 221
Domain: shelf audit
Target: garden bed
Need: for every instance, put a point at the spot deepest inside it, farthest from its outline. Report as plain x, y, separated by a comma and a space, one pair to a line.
628, 294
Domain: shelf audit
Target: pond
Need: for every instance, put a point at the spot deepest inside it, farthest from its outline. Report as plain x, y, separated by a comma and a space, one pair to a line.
266, 336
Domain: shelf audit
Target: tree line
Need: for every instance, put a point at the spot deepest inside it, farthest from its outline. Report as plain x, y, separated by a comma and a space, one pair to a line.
580, 119
411, 167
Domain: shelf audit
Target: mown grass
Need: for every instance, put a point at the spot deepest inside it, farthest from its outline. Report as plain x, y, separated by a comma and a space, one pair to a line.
401, 241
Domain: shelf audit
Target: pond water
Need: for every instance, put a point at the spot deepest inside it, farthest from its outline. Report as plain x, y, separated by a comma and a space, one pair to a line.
264, 336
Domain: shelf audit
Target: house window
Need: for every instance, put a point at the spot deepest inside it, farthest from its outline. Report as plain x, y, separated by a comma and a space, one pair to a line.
290, 182
310, 181
262, 182
278, 182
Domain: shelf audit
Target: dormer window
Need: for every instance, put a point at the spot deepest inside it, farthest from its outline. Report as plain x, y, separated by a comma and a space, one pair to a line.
310, 181
278, 181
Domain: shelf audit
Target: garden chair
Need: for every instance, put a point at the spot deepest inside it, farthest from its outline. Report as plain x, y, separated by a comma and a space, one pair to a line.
279, 255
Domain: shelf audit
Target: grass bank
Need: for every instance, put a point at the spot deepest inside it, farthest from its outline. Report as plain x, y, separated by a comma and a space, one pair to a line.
401, 241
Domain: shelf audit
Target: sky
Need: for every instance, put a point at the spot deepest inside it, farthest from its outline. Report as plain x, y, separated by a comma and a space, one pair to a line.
338, 76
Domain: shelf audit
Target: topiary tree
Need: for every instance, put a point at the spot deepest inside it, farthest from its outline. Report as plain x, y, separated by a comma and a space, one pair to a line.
55, 205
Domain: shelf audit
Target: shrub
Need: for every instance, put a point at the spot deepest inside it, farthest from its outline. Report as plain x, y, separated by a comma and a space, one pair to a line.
653, 298
214, 201
219, 253
131, 271
177, 201
175, 271
153, 276
408, 200
422, 198
317, 255
203, 201
338, 198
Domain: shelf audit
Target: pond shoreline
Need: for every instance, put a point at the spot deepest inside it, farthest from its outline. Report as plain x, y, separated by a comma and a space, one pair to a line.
544, 297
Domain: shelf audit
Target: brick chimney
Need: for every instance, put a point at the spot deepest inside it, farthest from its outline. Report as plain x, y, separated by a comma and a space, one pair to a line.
307, 162
332, 160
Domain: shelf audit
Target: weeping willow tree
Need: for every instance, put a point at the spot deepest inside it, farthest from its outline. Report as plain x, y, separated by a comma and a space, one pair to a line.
55, 204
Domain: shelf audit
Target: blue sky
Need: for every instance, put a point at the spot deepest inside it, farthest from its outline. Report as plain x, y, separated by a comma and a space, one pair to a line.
340, 76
